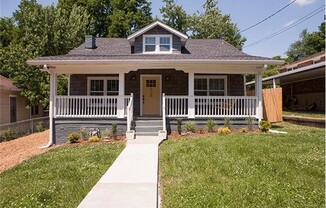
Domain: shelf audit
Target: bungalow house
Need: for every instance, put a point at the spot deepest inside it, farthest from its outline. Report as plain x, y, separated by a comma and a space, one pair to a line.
153, 76
13, 107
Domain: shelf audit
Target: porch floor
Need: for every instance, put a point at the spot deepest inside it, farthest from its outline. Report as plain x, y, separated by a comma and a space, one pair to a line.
132, 179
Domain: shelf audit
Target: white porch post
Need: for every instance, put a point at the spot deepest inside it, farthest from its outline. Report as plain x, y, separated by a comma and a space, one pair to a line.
274, 83
191, 99
52, 107
120, 102
259, 94
68, 93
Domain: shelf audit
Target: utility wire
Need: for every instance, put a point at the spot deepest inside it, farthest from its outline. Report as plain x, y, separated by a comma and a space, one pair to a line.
308, 16
248, 28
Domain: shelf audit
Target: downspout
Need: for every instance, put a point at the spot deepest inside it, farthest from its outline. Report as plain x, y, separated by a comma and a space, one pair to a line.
52, 89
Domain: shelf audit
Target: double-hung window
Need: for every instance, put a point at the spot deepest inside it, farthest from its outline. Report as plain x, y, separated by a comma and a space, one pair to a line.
157, 44
103, 86
210, 85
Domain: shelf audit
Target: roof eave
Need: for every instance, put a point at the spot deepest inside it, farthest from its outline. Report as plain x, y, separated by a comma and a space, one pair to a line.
98, 62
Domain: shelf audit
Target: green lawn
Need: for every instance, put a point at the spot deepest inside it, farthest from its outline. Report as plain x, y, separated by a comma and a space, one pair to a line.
245, 170
59, 178
305, 114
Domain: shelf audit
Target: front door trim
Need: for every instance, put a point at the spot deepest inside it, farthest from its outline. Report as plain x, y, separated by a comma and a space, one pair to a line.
141, 91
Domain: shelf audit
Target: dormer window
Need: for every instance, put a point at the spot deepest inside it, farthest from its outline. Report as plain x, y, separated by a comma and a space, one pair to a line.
157, 43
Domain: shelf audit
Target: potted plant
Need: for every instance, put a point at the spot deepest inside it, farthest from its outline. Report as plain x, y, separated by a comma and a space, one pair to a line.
130, 134
162, 134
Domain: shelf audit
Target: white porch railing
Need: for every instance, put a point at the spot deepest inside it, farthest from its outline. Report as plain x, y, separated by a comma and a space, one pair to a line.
130, 112
88, 106
212, 106
164, 112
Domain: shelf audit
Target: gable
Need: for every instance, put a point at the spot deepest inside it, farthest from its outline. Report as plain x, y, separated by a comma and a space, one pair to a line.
163, 28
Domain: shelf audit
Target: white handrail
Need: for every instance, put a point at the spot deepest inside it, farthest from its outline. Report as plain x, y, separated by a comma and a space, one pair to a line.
87, 106
212, 106
163, 112
130, 112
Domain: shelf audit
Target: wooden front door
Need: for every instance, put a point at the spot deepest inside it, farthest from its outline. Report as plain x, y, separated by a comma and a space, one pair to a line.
151, 95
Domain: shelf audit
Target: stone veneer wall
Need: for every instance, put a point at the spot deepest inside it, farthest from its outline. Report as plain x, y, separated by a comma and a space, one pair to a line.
64, 126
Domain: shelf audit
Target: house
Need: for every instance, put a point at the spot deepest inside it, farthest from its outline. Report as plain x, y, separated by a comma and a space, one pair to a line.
13, 106
156, 72
302, 82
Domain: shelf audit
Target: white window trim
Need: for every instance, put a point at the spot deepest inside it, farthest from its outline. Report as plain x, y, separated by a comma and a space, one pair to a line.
104, 84
207, 77
157, 44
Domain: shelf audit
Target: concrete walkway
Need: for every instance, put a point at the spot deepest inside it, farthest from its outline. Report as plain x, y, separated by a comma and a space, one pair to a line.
131, 181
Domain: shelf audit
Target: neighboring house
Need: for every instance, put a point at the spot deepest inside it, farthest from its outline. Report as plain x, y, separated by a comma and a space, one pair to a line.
155, 72
13, 106
302, 82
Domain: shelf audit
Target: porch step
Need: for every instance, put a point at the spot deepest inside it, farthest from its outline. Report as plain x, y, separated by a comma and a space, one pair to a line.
148, 126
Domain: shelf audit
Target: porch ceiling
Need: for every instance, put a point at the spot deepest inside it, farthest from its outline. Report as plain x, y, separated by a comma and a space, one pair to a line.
197, 66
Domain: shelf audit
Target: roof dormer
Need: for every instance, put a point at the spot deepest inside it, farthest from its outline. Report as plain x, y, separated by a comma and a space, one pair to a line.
157, 38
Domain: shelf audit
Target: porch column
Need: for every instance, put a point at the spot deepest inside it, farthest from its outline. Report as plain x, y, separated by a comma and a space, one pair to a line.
52, 107
68, 89
259, 94
191, 99
120, 102
274, 83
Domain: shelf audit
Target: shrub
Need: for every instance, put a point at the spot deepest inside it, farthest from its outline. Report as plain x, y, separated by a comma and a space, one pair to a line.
179, 125
114, 130
250, 123
190, 127
223, 130
264, 126
94, 139
106, 133
8, 134
202, 131
73, 137
40, 127
84, 133
227, 123
244, 130
210, 125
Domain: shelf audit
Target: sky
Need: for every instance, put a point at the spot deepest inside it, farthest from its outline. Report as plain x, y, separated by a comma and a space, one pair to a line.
244, 13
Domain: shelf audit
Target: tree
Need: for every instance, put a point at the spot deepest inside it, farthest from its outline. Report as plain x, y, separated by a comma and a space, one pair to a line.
175, 16
128, 17
98, 11
213, 24
42, 31
308, 44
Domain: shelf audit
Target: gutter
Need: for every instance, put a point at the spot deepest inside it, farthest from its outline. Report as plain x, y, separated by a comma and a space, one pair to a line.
157, 61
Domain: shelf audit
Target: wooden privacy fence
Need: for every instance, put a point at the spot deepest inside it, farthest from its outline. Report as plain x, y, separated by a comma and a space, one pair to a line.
272, 104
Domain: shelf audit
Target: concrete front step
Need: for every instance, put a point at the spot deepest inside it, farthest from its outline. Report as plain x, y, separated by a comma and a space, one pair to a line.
138, 133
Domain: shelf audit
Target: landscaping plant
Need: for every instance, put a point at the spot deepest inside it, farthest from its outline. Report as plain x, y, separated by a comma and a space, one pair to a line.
73, 137
223, 130
227, 123
84, 133
190, 127
264, 126
94, 139
40, 127
179, 125
250, 123
114, 131
210, 125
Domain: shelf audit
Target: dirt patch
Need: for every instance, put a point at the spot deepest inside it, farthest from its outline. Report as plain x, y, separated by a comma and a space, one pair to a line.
16, 151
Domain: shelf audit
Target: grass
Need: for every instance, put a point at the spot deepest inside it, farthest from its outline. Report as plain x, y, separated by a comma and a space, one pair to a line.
59, 178
312, 114
245, 170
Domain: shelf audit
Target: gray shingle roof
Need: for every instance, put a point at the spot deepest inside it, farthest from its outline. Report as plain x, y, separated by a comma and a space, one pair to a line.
119, 49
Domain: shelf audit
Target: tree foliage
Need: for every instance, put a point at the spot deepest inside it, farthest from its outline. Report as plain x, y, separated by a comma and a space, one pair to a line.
39, 31
175, 16
308, 44
213, 24
128, 16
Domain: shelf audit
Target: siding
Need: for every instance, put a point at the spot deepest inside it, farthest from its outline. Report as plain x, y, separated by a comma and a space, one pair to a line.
176, 42
22, 112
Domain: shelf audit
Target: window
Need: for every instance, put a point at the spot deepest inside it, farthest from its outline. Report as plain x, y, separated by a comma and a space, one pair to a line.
13, 109
157, 44
103, 86
34, 110
210, 86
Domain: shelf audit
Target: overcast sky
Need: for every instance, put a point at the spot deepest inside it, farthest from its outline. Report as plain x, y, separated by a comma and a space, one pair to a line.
244, 13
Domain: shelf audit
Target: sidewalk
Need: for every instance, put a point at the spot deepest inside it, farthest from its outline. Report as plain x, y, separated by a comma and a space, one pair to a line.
131, 181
